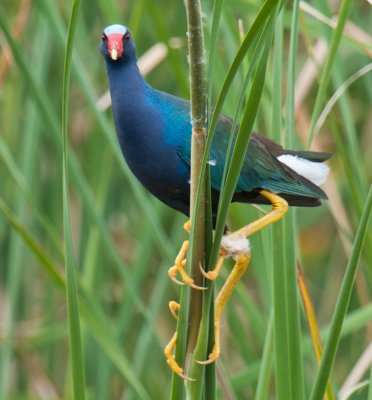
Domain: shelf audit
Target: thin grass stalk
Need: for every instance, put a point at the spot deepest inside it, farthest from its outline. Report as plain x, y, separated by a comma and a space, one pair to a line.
326, 73
198, 96
187, 336
313, 325
370, 384
263, 384
73, 314
296, 375
343, 300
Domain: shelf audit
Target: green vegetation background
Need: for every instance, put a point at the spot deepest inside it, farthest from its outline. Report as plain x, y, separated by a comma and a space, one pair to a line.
124, 239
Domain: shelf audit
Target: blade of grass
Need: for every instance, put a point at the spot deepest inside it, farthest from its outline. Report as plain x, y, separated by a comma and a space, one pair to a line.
296, 376
73, 314
263, 384
343, 299
313, 325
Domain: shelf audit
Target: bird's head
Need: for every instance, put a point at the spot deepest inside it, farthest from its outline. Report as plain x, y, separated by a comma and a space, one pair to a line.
117, 43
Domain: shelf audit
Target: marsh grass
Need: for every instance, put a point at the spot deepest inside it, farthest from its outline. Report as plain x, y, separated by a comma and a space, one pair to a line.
124, 240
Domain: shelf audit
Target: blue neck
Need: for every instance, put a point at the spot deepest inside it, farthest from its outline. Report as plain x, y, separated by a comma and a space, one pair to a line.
127, 87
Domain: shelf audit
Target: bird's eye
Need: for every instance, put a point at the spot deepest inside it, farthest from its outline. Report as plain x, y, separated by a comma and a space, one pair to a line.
127, 37
104, 37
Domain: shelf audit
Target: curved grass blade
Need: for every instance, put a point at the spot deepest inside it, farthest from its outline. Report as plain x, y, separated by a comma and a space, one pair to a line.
331, 345
21, 181
326, 73
313, 325
98, 325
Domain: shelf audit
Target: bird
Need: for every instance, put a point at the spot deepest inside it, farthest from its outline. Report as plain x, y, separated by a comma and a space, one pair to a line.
154, 132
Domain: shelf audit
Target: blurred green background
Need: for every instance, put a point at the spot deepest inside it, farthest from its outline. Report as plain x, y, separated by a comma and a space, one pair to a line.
124, 239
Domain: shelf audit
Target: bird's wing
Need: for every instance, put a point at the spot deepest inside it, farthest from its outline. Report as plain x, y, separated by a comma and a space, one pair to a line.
261, 168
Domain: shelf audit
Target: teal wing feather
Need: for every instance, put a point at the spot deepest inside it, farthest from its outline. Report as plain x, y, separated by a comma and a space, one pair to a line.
261, 169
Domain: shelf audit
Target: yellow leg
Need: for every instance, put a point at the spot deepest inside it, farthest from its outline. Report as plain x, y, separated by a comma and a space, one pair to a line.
240, 267
242, 257
279, 207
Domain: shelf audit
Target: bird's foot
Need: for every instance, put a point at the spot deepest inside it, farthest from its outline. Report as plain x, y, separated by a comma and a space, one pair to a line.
173, 365
187, 226
213, 355
174, 308
179, 266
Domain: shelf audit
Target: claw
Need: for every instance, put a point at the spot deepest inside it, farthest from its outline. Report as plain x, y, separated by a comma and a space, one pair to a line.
211, 275
172, 273
174, 307
211, 359
198, 287
172, 362
175, 280
187, 226
206, 362
178, 370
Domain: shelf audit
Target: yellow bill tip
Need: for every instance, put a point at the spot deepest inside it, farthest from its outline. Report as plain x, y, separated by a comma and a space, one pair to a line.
114, 54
